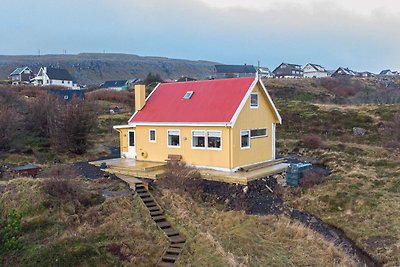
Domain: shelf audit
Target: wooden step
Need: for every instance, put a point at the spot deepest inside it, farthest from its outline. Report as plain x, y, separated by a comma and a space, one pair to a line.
177, 245
154, 208
144, 194
147, 199
159, 218
163, 224
174, 250
170, 258
150, 205
165, 264
141, 191
156, 213
176, 239
170, 231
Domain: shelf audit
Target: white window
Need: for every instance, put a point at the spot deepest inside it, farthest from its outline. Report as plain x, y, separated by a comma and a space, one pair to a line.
259, 132
198, 139
173, 138
254, 100
207, 139
214, 139
152, 135
244, 139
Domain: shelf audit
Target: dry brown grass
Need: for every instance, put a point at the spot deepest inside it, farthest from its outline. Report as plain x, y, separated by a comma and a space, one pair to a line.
361, 196
112, 96
72, 235
216, 238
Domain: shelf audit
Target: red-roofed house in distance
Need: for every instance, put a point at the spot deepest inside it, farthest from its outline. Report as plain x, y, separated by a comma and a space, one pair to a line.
217, 124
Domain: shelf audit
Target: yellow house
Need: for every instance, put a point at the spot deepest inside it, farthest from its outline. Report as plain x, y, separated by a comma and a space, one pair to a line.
218, 124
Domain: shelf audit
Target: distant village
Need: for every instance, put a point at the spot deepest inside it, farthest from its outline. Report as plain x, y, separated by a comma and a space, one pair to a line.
58, 77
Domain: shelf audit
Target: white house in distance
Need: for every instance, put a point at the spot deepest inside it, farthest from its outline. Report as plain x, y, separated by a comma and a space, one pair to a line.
54, 76
314, 71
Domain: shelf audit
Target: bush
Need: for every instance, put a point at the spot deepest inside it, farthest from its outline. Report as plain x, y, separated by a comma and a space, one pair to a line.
392, 129
62, 189
63, 171
312, 141
70, 124
7, 129
180, 177
152, 79
111, 95
310, 178
10, 229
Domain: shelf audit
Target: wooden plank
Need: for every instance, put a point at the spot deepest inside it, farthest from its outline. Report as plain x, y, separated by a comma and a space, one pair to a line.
163, 224
176, 239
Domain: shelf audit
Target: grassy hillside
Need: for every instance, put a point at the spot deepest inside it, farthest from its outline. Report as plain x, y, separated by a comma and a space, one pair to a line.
92, 68
70, 223
360, 195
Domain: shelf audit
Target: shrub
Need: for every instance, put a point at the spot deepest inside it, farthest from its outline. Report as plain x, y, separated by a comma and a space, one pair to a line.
70, 124
312, 141
63, 171
10, 229
7, 129
310, 178
62, 189
180, 177
392, 129
111, 95
152, 79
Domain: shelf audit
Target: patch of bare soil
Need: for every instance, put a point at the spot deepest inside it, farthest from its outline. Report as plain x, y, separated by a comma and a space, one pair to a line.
90, 171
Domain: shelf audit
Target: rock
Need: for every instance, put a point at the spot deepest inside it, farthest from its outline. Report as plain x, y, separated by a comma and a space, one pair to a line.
358, 131
280, 179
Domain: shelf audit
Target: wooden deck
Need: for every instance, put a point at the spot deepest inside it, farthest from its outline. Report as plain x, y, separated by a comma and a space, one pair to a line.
153, 170
133, 168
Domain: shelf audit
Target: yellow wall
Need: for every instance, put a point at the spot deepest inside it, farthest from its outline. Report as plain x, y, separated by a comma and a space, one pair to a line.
261, 117
159, 150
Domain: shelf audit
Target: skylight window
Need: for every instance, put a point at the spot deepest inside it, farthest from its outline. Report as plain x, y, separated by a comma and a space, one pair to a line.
188, 95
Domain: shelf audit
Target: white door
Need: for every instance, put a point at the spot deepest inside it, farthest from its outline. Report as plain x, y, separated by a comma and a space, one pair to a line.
131, 145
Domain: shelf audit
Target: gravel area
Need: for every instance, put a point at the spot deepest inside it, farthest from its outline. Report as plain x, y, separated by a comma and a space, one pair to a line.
92, 172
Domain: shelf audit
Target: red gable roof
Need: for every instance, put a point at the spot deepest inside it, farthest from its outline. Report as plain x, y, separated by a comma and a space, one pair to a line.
212, 101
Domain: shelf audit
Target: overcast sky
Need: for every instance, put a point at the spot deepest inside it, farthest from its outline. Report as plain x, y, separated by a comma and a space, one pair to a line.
359, 34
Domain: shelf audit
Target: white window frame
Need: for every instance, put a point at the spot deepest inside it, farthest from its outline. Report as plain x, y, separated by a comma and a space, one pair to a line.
258, 100
206, 132
205, 139
260, 136
174, 130
155, 136
214, 148
245, 147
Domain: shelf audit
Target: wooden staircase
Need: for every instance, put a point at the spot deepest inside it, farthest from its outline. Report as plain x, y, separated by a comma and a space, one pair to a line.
176, 241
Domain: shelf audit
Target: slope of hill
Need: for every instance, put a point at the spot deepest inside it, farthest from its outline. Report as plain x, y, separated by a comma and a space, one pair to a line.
92, 68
